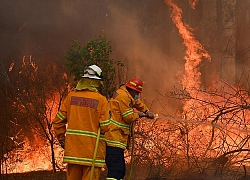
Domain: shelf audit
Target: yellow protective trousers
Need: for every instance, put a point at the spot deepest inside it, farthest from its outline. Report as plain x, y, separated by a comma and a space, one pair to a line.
80, 172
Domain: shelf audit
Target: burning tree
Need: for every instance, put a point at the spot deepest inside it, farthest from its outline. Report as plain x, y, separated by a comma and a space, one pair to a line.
36, 95
8, 131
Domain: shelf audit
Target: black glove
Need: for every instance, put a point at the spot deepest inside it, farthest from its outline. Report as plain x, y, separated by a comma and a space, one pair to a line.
62, 144
150, 115
141, 114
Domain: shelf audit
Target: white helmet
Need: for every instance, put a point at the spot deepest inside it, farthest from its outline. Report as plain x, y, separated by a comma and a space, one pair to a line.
93, 72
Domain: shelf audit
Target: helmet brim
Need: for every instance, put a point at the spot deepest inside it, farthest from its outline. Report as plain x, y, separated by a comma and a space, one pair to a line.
91, 77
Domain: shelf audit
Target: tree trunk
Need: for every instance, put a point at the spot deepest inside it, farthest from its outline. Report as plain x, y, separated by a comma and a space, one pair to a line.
242, 42
219, 22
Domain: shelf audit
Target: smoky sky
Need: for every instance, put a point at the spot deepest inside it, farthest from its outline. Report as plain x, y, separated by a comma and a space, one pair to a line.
46, 28
136, 29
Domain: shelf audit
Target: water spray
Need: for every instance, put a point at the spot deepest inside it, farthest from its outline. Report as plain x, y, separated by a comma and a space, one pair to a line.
216, 125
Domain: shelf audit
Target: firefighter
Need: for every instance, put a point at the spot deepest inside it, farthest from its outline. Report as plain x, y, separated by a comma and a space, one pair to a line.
123, 104
85, 112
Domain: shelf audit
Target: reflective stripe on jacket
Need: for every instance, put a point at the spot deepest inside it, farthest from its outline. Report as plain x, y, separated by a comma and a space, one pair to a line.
83, 112
122, 106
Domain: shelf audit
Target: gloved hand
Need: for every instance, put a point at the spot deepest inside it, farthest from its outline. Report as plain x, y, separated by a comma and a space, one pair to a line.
62, 144
141, 114
150, 115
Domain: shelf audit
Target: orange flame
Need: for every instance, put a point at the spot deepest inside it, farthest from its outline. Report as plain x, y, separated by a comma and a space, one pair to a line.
193, 3
36, 154
12, 65
194, 53
32, 157
232, 125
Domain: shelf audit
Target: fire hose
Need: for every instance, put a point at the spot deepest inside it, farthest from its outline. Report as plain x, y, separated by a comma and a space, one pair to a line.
133, 147
132, 151
95, 152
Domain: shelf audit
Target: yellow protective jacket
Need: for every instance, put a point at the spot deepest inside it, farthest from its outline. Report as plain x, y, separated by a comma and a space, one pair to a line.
83, 112
122, 105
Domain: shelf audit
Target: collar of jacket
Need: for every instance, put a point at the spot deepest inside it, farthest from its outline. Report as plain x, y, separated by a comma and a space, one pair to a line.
125, 89
90, 84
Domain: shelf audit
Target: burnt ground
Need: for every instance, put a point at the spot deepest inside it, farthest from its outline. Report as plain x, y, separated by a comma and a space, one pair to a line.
49, 175
36, 175
39, 175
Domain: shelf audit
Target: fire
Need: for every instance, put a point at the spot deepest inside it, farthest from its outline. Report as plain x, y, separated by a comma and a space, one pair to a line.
36, 154
31, 156
199, 130
11, 65
193, 3
222, 107
194, 53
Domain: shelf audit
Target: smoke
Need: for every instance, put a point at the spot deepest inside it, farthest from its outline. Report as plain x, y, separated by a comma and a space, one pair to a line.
137, 31
145, 53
